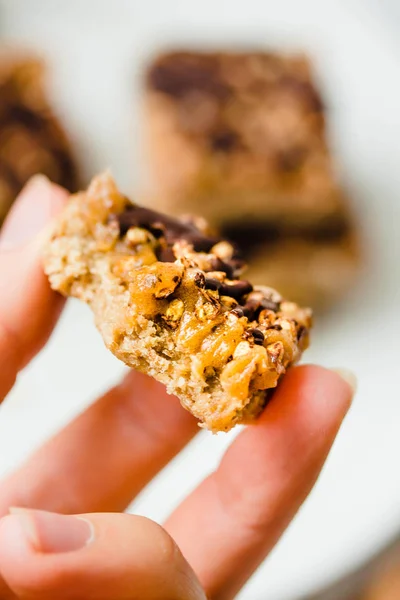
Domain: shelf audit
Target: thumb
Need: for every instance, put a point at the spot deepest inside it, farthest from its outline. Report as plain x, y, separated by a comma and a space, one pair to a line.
99, 556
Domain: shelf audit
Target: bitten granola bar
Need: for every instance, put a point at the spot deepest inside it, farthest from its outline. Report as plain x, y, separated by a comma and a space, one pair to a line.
31, 139
168, 300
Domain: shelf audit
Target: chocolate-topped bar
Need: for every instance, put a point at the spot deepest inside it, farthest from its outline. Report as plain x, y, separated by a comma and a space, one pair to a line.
31, 138
169, 300
241, 138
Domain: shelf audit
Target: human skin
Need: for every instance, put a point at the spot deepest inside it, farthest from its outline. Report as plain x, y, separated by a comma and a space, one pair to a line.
66, 535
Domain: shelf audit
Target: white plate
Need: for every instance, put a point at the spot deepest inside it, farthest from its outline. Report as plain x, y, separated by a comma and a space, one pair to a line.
97, 50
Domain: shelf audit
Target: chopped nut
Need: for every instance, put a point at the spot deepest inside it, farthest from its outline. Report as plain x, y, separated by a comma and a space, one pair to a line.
275, 352
228, 302
224, 250
212, 296
174, 312
199, 279
285, 324
231, 317
241, 349
269, 293
137, 235
206, 311
290, 307
218, 275
267, 317
199, 222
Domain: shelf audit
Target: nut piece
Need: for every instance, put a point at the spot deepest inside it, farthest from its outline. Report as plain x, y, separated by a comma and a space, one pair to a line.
136, 236
275, 352
174, 312
228, 302
206, 311
224, 250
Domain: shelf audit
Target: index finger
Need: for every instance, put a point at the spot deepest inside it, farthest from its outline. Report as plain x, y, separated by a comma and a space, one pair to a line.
29, 309
227, 526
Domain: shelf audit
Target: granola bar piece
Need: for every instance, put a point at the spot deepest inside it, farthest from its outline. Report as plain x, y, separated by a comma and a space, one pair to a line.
31, 138
239, 136
168, 300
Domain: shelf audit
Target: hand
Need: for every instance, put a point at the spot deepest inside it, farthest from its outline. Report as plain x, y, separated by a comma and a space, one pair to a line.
104, 458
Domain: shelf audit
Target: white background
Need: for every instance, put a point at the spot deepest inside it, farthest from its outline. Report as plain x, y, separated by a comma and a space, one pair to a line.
97, 49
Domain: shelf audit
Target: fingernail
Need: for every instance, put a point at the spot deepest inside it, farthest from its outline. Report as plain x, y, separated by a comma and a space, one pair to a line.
349, 377
51, 533
28, 215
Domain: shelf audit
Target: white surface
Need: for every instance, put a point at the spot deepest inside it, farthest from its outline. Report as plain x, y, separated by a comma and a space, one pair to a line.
97, 49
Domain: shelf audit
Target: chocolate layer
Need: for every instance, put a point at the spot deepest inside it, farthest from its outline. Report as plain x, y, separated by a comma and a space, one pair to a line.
180, 73
168, 230
160, 225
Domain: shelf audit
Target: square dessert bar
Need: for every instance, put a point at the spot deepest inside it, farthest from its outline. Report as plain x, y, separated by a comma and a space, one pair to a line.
240, 135
241, 138
31, 138
168, 300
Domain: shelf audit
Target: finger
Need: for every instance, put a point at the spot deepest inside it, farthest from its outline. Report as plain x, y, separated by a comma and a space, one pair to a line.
28, 307
99, 556
107, 455
231, 521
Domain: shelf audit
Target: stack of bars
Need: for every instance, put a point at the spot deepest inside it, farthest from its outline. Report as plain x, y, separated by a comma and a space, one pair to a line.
241, 139
31, 139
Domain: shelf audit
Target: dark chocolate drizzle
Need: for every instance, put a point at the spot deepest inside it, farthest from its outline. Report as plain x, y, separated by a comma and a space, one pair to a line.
163, 226
231, 268
236, 290
257, 335
238, 311
180, 73
212, 284
253, 304
168, 230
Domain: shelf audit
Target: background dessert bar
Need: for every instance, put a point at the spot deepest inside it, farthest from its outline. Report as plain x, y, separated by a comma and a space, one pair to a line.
241, 138
31, 137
